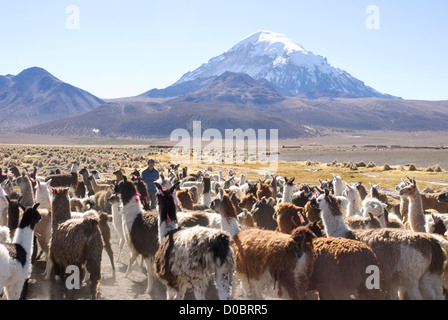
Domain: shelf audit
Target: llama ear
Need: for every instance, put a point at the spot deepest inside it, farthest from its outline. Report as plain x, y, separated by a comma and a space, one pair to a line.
7, 198
47, 183
327, 192
174, 187
271, 201
35, 206
158, 186
21, 206
371, 216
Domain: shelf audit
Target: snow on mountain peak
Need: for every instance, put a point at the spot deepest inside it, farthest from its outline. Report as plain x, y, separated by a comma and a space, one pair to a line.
285, 64
273, 43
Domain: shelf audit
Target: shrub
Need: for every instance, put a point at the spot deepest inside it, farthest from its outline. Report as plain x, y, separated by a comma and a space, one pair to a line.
361, 164
371, 164
412, 167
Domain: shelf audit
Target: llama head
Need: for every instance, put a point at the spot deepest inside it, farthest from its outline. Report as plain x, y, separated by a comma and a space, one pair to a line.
167, 207
370, 222
252, 188
206, 182
290, 181
303, 238
410, 189
350, 190
126, 189
336, 178
30, 217
434, 224
443, 197
316, 228
84, 172
289, 217
227, 209
114, 198
22, 181
245, 219
43, 187
60, 195
327, 184
263, 211
328, 204
373, 206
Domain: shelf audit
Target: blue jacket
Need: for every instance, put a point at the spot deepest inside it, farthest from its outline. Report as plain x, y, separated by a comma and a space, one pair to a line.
149, 177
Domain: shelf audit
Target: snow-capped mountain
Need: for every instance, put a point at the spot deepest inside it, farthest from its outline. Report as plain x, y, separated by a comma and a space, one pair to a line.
286, 66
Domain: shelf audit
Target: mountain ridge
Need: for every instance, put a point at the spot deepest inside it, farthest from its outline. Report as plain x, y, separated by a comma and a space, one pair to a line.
35, 96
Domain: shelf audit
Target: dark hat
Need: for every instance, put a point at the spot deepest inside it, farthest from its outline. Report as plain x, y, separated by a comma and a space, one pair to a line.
150, 160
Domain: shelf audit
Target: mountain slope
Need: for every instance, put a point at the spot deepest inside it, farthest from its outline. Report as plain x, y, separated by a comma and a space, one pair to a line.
235, 88
236, 101
144, 120
289, 68
35, 96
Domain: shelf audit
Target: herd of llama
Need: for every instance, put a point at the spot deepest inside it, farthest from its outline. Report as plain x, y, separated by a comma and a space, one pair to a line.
269, 238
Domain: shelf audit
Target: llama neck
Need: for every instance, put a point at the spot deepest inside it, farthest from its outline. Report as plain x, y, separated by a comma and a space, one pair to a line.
27, 193
25, 237
353, 207
130, 211
415, 212
404, 207
230, 225
207, 199
43, 197
60, 211
165, 228
115, 208
338, 188
334, 225
383, 220
288, 194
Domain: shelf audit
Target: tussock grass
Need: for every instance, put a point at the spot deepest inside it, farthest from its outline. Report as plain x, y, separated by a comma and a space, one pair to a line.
107, 159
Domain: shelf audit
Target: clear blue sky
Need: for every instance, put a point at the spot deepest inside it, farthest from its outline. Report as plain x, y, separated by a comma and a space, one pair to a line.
124, 48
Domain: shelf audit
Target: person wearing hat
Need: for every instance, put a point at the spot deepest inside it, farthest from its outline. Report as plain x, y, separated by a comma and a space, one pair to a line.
149, 176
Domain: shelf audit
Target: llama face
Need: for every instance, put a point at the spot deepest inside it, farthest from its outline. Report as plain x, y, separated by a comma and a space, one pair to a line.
30, 217
167, 207
113, 198
127, 190
328, 203
435, 225
372, 206
408, 191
